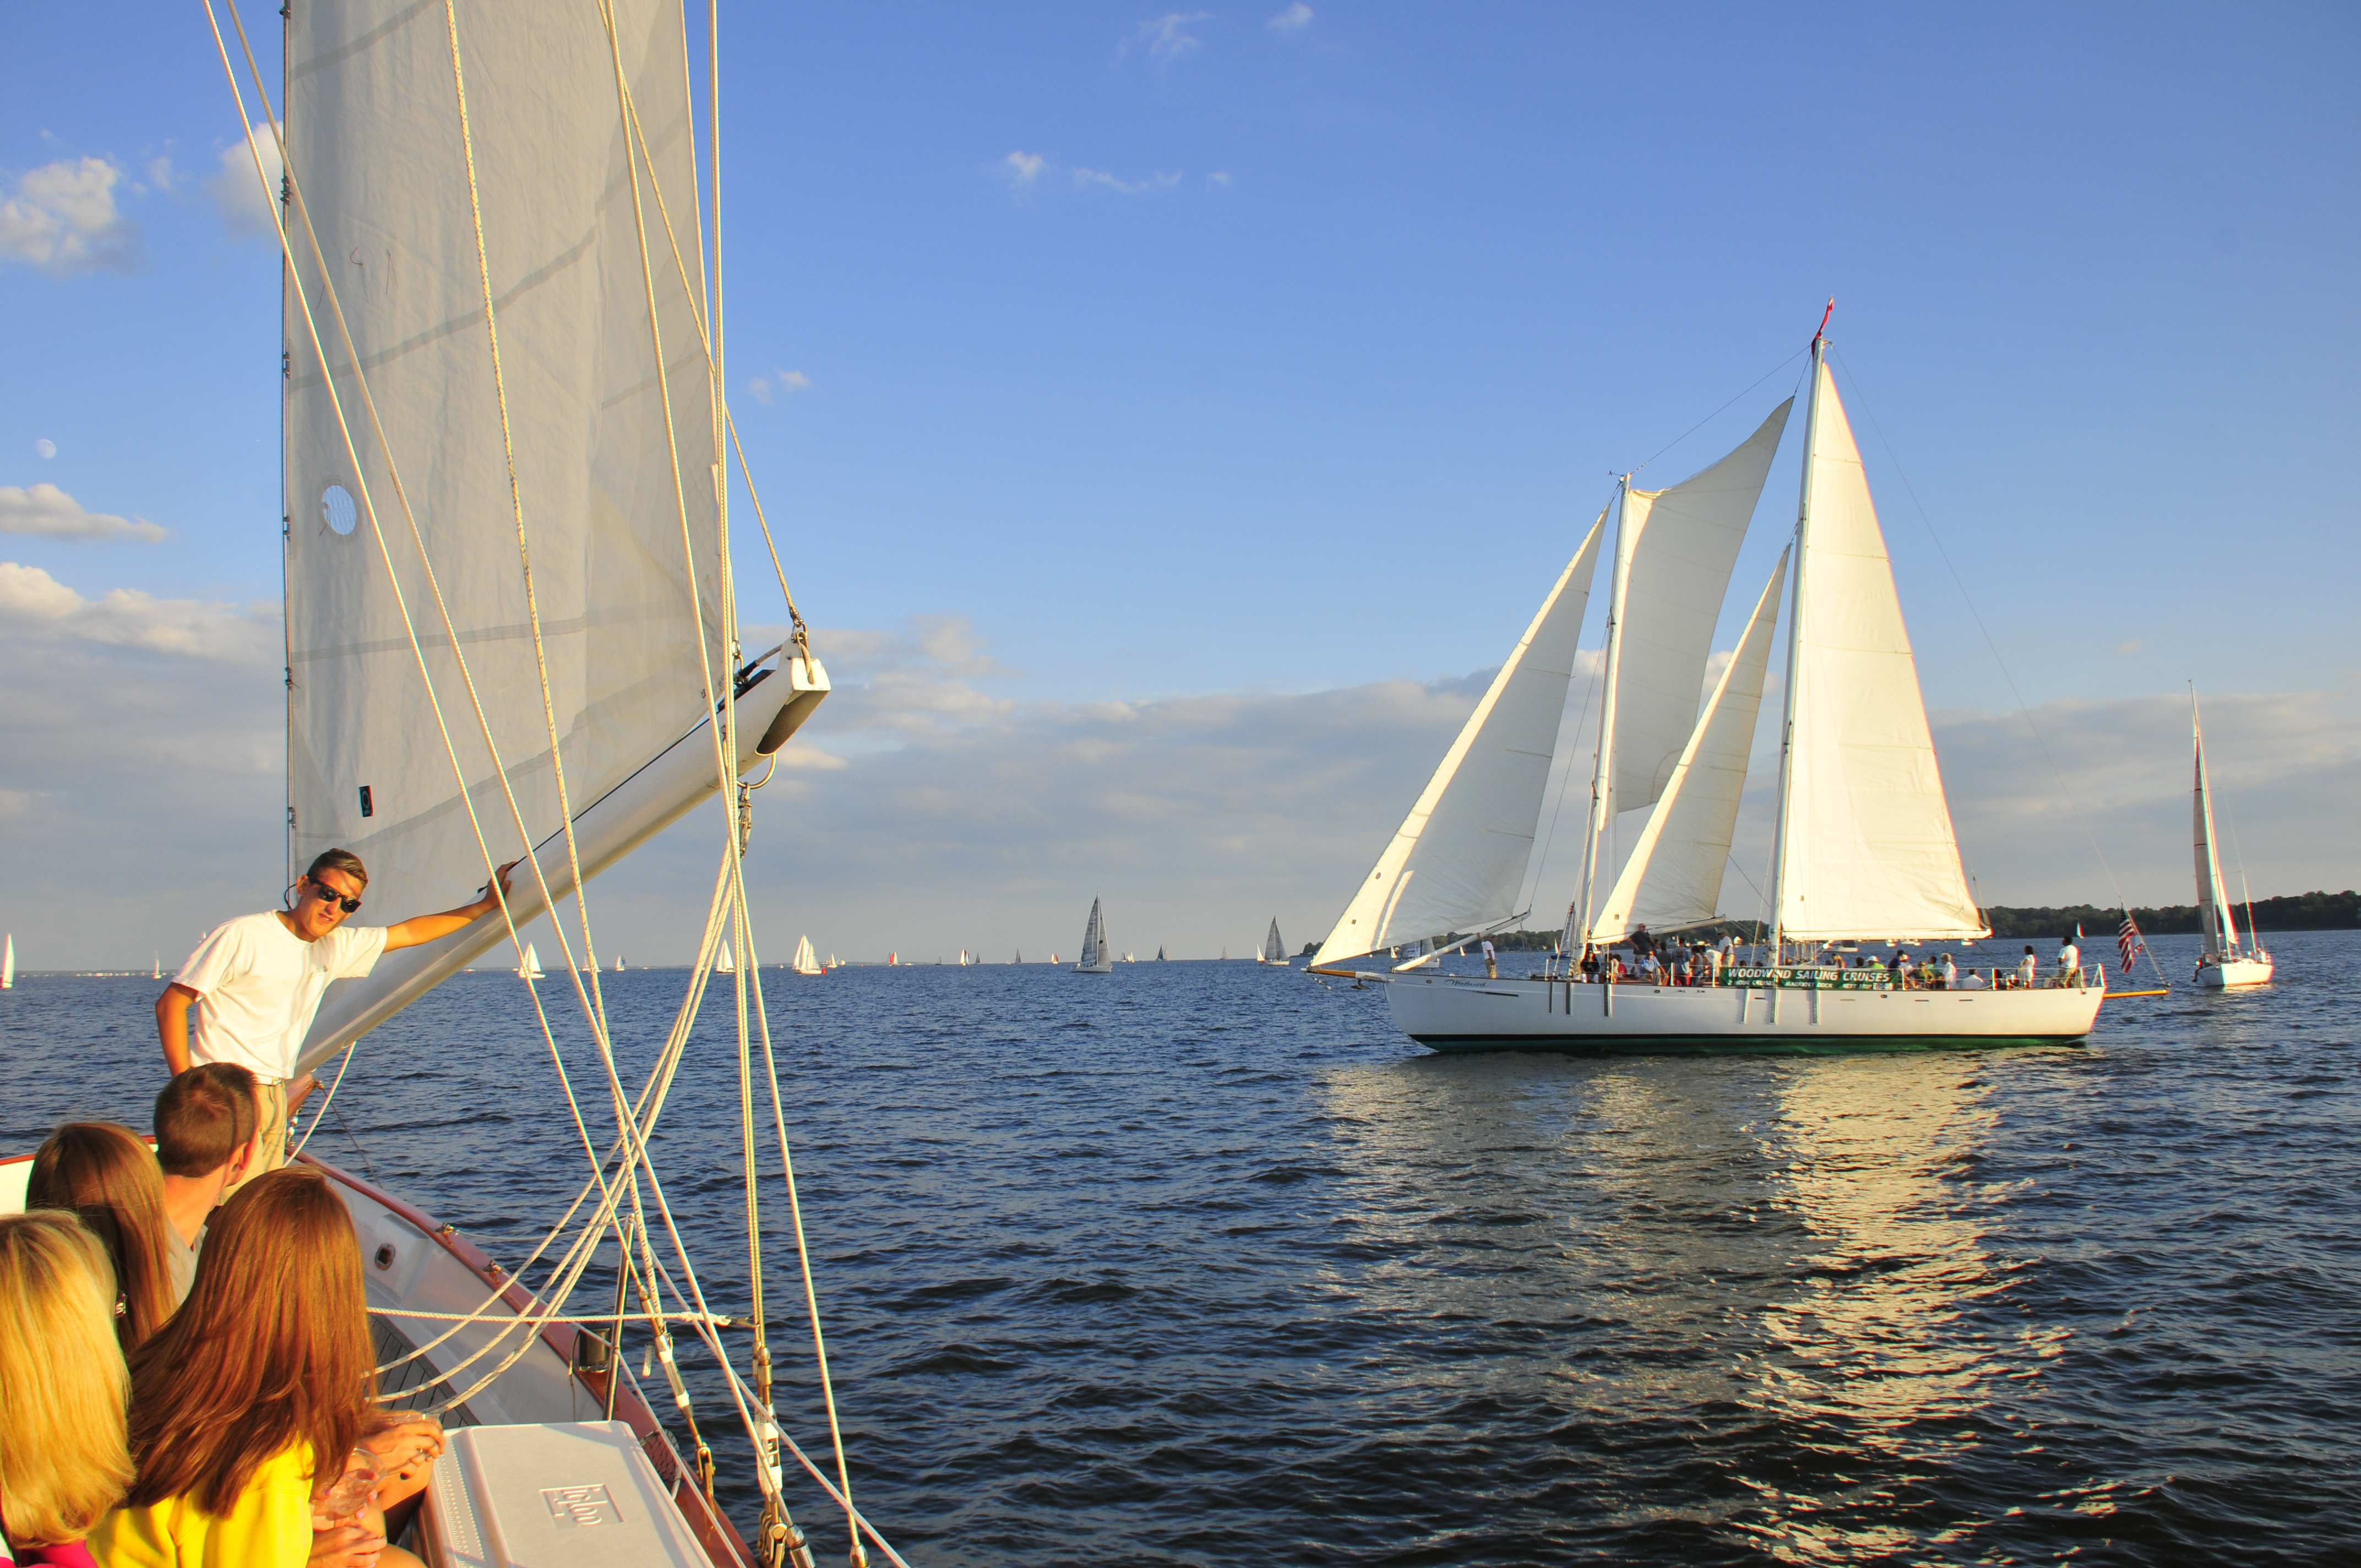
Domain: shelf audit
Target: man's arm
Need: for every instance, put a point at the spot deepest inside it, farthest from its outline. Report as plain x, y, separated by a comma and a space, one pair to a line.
172, 1025
419, 929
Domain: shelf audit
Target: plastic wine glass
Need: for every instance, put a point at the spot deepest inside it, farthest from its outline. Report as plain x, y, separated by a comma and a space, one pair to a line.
346, 1498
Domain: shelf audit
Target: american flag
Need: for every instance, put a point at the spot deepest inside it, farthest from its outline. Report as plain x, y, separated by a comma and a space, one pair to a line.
2127, 940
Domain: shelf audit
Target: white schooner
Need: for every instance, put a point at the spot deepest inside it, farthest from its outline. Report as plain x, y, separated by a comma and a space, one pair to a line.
512, 634
1863, 845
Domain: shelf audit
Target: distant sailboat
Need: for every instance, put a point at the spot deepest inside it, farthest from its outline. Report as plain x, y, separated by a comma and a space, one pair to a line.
531, 968
8, 962
964, 960
618, 963
1095, 958
727, 964
1225, 955
1159, 955
1019, 958
2224, 964
806, 962
156, 967
1274, 951
1053, 958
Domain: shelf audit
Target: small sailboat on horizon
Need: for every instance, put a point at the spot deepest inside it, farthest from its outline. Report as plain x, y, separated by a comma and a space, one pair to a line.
1095, 958
727, 964
2226, 963
8, 962
531, 968
1274, 951
805, 960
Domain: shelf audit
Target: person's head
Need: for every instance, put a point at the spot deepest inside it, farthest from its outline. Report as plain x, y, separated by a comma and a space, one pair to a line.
331, 890
62, 1460
2028, 949
205, 1121
104, 1174
271, 1348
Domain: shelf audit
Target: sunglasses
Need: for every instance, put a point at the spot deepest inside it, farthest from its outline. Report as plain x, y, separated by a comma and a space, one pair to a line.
327, 895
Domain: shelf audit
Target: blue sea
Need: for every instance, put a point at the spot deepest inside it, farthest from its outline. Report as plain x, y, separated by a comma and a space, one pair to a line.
1203, 1263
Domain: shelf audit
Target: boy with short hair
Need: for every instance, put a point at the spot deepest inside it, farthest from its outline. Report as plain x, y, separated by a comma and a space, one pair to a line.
206, 1119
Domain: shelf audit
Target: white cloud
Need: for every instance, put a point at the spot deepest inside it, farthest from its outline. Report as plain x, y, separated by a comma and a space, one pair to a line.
1218, 177
63, 219
46, 447
1023, 167
1167, 38
46, 510
1294, 19
1091, 179
162, 175
37, 607
238, 195
770, 385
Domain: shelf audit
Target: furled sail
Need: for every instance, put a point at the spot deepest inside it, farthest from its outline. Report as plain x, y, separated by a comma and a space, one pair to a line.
1866, 844
2215, 922
1677, 548
374, 140
1674, 873
1458, 858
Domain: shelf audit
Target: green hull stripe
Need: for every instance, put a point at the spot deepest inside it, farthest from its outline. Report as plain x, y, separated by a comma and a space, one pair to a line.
1732, 1045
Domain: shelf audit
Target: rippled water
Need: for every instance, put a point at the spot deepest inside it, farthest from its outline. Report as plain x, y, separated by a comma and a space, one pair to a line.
1203, 1263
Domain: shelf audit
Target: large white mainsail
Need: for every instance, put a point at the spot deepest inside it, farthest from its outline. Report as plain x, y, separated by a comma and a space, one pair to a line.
613, 492
1865, 843
1274, 951
1673, 875
1458, 858
1676, 549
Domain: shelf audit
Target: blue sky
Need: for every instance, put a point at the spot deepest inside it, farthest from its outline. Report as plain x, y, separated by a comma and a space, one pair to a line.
1253, 355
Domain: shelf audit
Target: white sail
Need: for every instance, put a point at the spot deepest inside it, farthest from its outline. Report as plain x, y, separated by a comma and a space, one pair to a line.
375, 145
806, 962
1095, 958
1274, 951
531, 968
8, 962
2215, 923
1674, 873
1866, 847
1677, 548
1456, 861
726, 963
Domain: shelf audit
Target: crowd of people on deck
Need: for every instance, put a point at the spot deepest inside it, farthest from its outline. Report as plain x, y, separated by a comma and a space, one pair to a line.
1648, 959
189, 1375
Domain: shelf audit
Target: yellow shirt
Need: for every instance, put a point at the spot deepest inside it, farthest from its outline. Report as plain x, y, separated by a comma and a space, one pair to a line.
270, 1527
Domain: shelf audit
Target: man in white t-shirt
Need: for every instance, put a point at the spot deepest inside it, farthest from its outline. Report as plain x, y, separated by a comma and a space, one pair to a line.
1492, 961
255, 984
2070, 961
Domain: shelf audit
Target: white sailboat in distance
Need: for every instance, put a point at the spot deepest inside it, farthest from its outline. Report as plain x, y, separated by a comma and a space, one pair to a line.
1274, 951
1095, 958
726, 962
530, 969
2226, 963
805, 960
8, 962
1862, 845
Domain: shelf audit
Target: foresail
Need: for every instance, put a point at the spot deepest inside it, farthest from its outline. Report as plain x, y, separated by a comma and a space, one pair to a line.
1680, 545
1867, 848
374, 147
1456, 861
1674, 873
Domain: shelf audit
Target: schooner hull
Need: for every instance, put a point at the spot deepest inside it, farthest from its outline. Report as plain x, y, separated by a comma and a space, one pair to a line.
1450, 1013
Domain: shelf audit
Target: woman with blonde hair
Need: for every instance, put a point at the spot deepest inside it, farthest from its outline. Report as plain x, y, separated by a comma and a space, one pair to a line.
106, 1174
62, 1460
252, 1400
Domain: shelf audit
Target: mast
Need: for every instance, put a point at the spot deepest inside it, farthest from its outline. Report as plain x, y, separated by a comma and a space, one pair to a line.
2212, 898
1602, 773
1794, 647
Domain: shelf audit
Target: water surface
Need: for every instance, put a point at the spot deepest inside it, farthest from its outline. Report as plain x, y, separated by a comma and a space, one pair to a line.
1203, 1264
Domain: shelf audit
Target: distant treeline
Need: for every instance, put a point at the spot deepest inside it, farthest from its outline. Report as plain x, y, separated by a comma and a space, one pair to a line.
2300, 912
